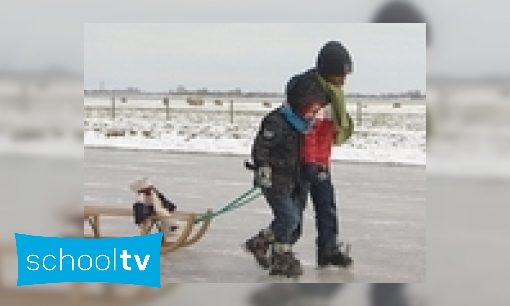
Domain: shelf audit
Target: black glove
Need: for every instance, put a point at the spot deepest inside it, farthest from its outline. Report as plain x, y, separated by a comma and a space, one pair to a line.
263, 177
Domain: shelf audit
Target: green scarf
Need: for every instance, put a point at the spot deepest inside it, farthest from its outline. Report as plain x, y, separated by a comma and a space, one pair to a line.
343, 121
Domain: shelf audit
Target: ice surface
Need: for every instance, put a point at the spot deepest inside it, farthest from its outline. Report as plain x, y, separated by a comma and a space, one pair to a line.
383, 215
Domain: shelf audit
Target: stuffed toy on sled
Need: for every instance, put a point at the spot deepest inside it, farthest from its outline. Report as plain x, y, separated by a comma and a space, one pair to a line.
151, 201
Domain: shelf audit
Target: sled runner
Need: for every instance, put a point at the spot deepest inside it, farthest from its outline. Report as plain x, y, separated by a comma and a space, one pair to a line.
188, 231
152, 212
179, 228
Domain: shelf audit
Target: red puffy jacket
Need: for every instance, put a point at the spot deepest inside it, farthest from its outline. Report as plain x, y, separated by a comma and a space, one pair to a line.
318, 143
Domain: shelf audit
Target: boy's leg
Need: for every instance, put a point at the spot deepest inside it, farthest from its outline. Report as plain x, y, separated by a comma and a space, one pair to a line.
300, 196
285, 224
259, 244
326, 215
286, 214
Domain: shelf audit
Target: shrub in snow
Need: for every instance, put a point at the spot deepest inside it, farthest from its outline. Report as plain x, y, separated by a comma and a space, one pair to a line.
195, 102
114, 132
147, 134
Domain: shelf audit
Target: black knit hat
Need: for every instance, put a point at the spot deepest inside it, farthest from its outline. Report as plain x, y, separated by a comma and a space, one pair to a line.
301, 90
334, 59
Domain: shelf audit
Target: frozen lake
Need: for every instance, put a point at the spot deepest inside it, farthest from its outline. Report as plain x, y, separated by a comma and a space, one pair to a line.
383, 215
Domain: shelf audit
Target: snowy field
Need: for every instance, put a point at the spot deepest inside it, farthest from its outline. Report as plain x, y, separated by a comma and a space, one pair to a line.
388, 133
382, 207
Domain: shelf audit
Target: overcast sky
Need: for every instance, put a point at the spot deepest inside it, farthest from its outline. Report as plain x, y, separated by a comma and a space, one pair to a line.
37, 34
159, 57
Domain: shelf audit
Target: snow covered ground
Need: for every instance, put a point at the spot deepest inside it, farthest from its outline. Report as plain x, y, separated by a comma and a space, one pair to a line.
387, 134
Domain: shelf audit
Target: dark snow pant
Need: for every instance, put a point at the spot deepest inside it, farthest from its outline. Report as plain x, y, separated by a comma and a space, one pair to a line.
317, 182
286, 214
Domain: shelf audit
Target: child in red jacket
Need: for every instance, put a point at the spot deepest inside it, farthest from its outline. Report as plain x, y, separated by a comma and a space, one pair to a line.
316, 181
333, 65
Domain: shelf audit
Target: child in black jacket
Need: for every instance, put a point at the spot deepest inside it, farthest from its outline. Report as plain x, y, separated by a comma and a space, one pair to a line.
276, 156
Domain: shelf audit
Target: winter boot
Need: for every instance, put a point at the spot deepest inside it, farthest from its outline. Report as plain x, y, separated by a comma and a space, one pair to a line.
338, 258
258, 246
284, 262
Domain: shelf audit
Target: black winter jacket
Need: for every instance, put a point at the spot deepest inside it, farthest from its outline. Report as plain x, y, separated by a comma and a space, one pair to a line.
277, 145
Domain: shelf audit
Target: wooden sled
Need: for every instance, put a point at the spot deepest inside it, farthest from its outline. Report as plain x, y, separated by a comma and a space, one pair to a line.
78, 294
185, 236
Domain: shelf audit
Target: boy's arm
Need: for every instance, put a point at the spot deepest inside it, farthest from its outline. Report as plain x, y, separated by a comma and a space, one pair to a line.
267, 138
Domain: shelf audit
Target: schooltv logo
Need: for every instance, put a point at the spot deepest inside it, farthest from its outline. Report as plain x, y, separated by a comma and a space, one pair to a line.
123, 260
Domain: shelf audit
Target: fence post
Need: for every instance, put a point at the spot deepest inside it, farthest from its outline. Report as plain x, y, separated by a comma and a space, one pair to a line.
166, 102
359, 112
113, 107
231, 111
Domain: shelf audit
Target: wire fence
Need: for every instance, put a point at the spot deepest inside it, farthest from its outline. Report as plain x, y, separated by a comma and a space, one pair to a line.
234, 109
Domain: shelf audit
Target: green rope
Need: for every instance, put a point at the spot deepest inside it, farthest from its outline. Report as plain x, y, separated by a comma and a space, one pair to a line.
243, 199
230, 207
246, 201
239, 202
